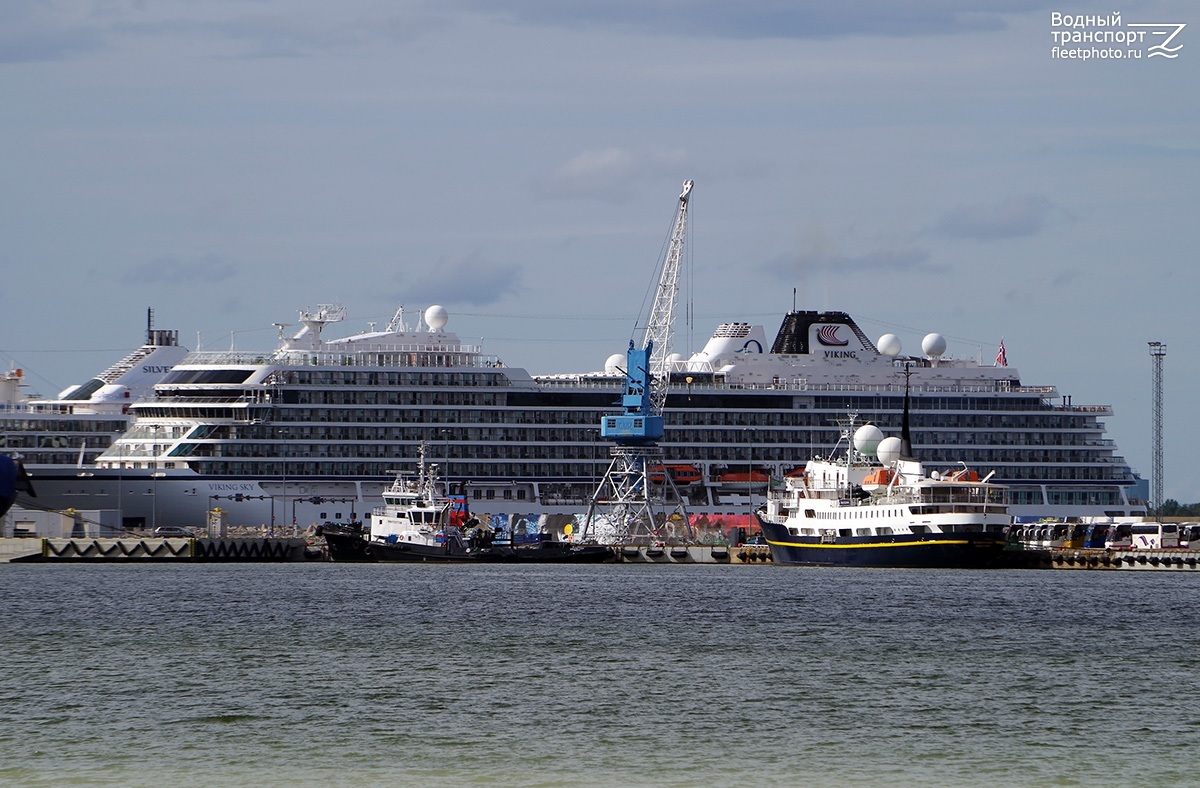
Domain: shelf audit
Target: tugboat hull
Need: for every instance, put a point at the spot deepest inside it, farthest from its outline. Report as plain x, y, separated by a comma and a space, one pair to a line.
346, 543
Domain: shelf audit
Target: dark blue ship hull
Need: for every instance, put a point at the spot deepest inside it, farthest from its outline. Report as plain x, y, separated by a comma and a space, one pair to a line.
924, 551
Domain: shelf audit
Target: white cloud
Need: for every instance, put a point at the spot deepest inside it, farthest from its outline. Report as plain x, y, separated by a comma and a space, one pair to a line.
607, 174
1012, 217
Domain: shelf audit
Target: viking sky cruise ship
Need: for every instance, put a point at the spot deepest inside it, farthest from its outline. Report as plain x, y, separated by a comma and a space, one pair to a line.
317, 428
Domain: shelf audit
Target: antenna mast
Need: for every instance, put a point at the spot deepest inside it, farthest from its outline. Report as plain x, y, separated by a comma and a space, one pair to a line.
1157, 352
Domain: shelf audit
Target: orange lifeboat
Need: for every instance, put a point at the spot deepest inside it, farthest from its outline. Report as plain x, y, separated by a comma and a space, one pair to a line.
681, 474
684, 474
879, 477
741, 480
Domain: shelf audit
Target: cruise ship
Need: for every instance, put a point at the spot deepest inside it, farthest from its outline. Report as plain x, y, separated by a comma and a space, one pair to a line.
71, 430
316, 429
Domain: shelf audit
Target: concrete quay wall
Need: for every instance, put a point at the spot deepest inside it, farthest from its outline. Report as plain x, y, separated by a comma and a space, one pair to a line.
26, 550
1162, 560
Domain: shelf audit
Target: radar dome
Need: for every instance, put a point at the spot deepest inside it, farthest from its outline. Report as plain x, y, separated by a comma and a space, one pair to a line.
889, 450
436, 317
674, 361
614, 364
866, 439
889, 345
933, 345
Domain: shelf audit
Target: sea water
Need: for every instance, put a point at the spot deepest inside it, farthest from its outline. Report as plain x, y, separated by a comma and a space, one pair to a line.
314, 674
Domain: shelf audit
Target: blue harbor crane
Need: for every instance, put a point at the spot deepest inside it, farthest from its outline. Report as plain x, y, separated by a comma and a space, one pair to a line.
625, 507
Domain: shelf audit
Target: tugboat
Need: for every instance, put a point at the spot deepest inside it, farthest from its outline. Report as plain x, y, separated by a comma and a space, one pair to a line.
419, 524
345, 542
850, 511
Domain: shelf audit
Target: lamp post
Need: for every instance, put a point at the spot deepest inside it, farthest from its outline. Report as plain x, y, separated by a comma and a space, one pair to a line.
154, 477
750, 477
120, 480
594, 456
283, 456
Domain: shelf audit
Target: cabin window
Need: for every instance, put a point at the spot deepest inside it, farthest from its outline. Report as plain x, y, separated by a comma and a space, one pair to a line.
920, 529
884, 530
862, 531
843, 532
810, 513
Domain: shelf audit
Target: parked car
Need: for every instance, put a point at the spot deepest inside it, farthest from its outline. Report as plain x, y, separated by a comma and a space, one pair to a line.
173, 532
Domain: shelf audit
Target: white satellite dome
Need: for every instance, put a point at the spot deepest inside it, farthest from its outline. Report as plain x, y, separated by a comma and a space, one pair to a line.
888, 450
933, 345
436, 317
674, 360
614, 363
889, 345
867, 438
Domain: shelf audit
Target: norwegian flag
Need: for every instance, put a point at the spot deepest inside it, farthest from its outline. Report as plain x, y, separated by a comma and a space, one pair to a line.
1001, 356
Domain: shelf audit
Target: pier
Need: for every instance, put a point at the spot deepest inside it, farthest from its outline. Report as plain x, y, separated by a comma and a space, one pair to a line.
295, 549
263, 549
692, 554
1163, 559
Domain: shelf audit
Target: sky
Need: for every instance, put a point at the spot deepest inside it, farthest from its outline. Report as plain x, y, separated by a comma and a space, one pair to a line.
920, 165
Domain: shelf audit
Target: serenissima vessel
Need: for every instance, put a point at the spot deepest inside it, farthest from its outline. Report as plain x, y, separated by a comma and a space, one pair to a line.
315, 429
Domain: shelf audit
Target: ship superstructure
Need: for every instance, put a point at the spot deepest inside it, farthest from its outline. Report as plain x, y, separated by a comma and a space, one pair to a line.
73, 428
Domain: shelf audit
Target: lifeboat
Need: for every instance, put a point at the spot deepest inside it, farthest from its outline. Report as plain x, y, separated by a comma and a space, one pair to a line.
681, 474
741, 480
879, 477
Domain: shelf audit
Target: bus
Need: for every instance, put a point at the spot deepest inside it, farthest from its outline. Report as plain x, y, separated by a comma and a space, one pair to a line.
1154, 536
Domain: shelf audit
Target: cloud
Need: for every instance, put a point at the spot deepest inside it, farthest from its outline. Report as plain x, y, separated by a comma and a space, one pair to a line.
764, 18
172, 271
886, 260
1014, 217
283, 33
606, 174
462, 280
36, 30
33, 31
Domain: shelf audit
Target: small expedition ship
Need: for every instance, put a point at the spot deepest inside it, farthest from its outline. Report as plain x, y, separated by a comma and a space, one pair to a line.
878, 506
